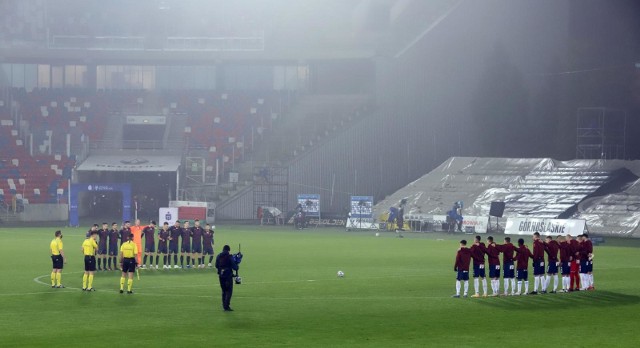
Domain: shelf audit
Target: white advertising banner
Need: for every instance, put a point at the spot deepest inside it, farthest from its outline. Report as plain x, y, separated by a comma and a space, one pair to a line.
130, 163
479, 223
361, 223
169, 215
546, 227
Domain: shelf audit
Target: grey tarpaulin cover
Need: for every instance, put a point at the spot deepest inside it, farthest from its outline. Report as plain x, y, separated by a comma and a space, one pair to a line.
605, 193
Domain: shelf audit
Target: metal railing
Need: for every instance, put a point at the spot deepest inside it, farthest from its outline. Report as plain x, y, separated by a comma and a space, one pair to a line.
254, 42
153, 145
249, 43
85, 42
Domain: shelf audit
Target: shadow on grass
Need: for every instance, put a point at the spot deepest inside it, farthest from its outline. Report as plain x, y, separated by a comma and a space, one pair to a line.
545, 302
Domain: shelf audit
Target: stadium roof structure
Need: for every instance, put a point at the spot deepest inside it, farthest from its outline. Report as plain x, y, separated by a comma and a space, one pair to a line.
273, 30
130, 163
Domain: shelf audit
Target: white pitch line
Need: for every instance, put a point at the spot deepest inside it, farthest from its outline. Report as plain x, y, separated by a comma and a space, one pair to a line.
37, 280
35, 293
331, 298
284, 281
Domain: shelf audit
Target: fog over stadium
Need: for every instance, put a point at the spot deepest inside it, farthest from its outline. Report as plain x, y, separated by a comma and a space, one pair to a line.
341, 98
351, 151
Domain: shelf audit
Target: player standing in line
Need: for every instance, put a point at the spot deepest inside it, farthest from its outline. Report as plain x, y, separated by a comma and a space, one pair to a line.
136, 231
125, 232
128, 252
113, 246
565, 262
89, 247
149, 234
538, 263
493, 255
103, 233
574, 248
478, 249
522, 257
185, 249
586, 262
507, 249
196, 244
551, 247
163, 238
207, 240
463, 259
174, 235
58, 259
93, 228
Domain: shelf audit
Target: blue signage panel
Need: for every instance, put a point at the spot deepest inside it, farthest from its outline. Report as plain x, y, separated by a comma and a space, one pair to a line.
310, 204
361, 207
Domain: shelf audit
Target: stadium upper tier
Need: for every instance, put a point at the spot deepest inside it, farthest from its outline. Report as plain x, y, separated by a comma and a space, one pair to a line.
605, 193
210, 119
34, 20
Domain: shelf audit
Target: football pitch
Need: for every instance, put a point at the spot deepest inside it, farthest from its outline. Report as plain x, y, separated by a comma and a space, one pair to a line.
395, 292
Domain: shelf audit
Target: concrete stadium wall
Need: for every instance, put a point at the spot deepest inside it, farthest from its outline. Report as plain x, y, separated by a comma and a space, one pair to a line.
44, 212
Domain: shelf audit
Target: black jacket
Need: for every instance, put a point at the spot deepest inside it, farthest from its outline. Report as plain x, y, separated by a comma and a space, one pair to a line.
225, 265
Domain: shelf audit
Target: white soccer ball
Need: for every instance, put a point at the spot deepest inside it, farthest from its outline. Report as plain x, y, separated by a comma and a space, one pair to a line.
340, 274
377, 234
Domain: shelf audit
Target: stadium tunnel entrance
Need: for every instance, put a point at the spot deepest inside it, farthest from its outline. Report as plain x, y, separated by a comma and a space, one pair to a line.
93, 188
99, 205
153, 182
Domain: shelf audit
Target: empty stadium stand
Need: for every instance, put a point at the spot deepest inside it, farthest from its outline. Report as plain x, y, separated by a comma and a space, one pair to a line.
617, 212
58, 126
29, 179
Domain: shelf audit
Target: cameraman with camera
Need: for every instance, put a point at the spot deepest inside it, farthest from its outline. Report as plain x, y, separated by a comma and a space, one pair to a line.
226, 264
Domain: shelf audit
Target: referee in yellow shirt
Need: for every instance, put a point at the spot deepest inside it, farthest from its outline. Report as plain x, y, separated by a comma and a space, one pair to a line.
128, 253
57, 256
89, 247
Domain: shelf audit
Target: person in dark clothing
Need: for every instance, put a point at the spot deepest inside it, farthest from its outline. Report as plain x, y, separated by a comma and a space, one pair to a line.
400, 216
226, 264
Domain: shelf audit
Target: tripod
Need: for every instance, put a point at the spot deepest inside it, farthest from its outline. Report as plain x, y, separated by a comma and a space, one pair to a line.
356, 223
360, 208
497, 228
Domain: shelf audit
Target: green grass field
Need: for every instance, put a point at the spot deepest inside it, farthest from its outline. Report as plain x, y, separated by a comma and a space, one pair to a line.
396, 292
